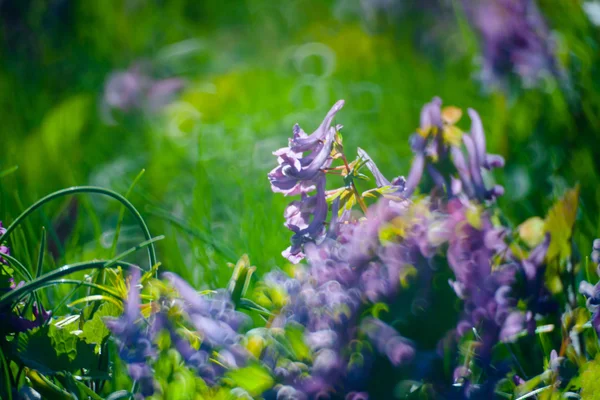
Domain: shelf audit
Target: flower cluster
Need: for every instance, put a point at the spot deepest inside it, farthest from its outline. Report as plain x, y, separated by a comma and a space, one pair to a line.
323, 332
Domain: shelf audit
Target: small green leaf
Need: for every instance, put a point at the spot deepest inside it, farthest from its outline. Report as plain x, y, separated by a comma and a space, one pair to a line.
559, 223
254, 379
6, 273
590, 380
94, 330
63, 337
295, 336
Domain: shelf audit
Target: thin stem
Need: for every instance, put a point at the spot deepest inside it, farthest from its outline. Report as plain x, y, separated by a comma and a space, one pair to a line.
359, 199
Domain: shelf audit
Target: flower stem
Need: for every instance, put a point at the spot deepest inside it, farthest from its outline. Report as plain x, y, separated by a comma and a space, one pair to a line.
359, 199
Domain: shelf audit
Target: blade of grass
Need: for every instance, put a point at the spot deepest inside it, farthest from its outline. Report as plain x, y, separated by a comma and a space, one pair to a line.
86, 189
40, 262
8, 171
7, 381
87, 284
69, 269
97, 297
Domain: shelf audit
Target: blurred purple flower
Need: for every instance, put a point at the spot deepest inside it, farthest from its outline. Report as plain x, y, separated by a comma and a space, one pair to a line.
214, 317
134, 343
3, 248
387, 341
470, 172
134, 89
305, 232
514, 38
299, 173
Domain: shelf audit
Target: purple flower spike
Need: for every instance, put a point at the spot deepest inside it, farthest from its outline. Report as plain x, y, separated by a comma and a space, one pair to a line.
214, 317
431, 115
387, 341
301, 142
132, 338
470, 170
296, 174
515, 40
415, 174
314, 230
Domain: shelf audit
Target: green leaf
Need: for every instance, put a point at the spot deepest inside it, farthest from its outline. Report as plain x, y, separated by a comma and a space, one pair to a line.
254, 379
52, 349
5, 377
295, 336
63, 336
559, 223
590, 380
6, 273
94, 330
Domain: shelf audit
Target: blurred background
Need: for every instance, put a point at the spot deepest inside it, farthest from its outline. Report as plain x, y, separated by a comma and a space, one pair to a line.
199, 93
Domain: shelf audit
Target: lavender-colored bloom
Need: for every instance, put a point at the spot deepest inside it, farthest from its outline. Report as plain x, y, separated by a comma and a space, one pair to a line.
134, 89
592, 293
16, 324
387, 341
297, 174
214, 317
470, 171
124, 89
3, 248
134, 343
301, 142
161, 92
300, 173
515, 40
311, 232
289, 393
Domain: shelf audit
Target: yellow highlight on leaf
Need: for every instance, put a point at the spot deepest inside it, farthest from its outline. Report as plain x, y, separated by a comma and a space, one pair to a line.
559, 224
532, 231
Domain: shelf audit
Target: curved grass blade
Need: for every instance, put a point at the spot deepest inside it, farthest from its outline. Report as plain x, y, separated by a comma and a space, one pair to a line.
8, 171
69, 269
6, 376
86, 189
102, 288
40, 262
18, 266
97, 297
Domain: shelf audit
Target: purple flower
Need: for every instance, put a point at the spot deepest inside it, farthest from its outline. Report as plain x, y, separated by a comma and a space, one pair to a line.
214, 317
134, 89
297, 174
3, 249
470, 171
515, 40
301, 142
387, 341
134, 343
